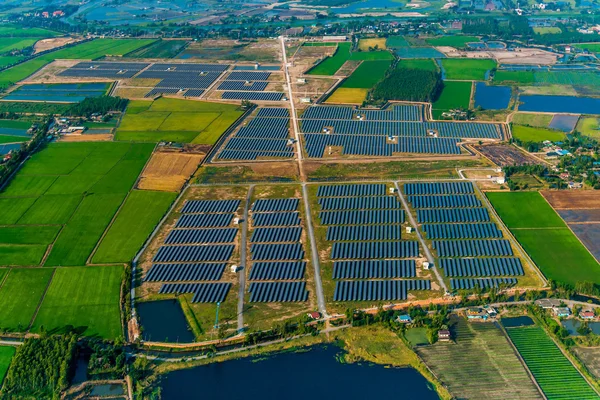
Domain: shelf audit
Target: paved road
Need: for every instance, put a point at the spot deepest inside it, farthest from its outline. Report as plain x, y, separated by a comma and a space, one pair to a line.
421, 240
314, 253
242, 273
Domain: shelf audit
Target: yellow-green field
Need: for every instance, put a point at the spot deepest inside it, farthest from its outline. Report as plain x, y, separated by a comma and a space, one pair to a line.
589, 126
365, 44
547, 29
348, 96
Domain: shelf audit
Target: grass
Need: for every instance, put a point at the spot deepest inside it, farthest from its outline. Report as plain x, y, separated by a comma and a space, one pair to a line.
396, 41
454, 95
50, 209
519, 77
22, 255
160, 49
348, 96
367, 43
16, 43
532, 134
13, 139
11, 210
426, 64
86, 298
28, 234
467, 69
481, 354
416, 336
537, 120
554, 373
330, 65
593, 47
19, 31
367, 75
371, 56
589, 126
142, 209
545, 237
176, 120
89, 50
545, 30
6, 355
20, 295
452, 41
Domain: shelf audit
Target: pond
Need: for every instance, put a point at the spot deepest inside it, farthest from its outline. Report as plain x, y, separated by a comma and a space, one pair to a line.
559, 104
573, 324
368, 4
492, 97
106, 390
164, 321
516, 322
294, 376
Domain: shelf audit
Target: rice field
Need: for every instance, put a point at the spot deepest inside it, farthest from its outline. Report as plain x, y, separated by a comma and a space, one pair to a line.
348, 96
518, 77
6, 355
457, 41
330, 65
371, 43
480, 361
554, 373
175, 120
589, 126
367, 75
467, 69
536, 135
454, 95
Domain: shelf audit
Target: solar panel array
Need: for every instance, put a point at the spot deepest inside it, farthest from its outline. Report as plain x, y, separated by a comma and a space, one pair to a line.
196, 252
241, 85
276, 252
383, 133
265, 136
364, 225
198, 77
104, 69
468, 244
257, 96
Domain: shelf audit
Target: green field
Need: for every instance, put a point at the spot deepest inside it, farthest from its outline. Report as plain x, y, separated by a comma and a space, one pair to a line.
19, 31
142, 210
183, 121
367, 74
554, 373
467, 69
454, 95
545, 237
480, 360
160, 49
85, 51
532, 134
452, 41
416, 336
589, 126
74, 187
537, 120
16, 43
330, 65
20, 295
13, 139
396, 41
519, 77
371, 56
544, 30
6, 354
593, 47
86, 298
426, 64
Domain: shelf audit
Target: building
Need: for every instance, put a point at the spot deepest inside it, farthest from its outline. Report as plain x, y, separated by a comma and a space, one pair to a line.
314, 315
491, 311
444, 335
562, 312
404, 319
476, 313
587, 315
547, 304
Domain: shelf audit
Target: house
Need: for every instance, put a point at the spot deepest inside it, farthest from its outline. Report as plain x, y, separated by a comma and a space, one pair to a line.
314, 315
404, 319
444, 335
561, 311
547, 304
476, 313
587, 315
491, 311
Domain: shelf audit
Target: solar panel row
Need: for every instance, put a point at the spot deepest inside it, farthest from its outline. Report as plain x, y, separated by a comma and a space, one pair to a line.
276, 235
276, 292
277, 270
185, 272
360, 203
483, 283
241, 85
452, 215
368, 217
462, 231
221, 252
160, 91
367, 250
200, 236
258, 96
369, 232
268, 123
373, 269
472, 248
351, 190
203, 292
276, 219
263, 133
248, 76
210, 206
204, 221
279, 112
482, 266
438, 188
444, 201
285, 251
398, 112
248, 155
377, 290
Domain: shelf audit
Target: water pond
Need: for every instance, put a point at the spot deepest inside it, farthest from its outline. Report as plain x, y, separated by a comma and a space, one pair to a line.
368, 5
516, 322
107, 390
492, 97
573, 324
164, 321
293, 376
559, 104
565, 123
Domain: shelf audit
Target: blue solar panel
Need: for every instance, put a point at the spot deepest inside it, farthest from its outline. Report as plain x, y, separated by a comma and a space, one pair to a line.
359, 250
210, 206
278, 270
204, 221
369, 232
438, 188
502, 266
453, 215
360, 203
472, 248
203, 292
484, 283
185, 272
276, 219
287, 251
369, 217
276, 235
351, 190
377, 290
271, 292
220, 252
199, 236
369, 269
462, 231
445, 201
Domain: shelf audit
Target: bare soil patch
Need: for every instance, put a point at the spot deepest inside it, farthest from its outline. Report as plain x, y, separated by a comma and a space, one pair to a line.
579, 199
503, 155
52, 43
168, 171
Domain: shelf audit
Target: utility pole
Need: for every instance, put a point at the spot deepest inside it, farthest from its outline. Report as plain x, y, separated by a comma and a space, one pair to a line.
217, 315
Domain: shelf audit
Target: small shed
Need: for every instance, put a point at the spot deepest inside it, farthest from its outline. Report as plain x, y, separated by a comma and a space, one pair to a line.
404, 319
314, 315
444, 335
562, 311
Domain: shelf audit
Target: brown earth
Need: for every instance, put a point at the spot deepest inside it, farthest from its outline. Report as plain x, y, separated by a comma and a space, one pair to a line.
52, 43
578, 199
168, 171
101, 137
503, 155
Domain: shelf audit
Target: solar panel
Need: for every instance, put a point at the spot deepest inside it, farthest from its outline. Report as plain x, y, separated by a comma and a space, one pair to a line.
360, 250
369, 269
203, 292
377, 290
221, 252
278, 270
271, 112
368, 217
204, 221
352, 190
271, 292
484, 283
210, 206
258, 96
184, 272
287, 251
276, 235
462, 231
201, 236
276, 219
370, 232
496, 266
472, 248
275, 205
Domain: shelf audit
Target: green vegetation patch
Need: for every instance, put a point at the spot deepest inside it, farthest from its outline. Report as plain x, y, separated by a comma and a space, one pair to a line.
160, 49
536, 135
20, 295
454, 95
525, 210
6, 355
330, 65
416, 336
22, 255
518, 77
467, 69
20, 31
368, 74
137, 218
452, 41
11, 209
589, 126
530, 119
176, 120
396, 41
371, 55
554, 373
28, 234
13, 139
86, 298
50, 209
426, 64
409, 85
